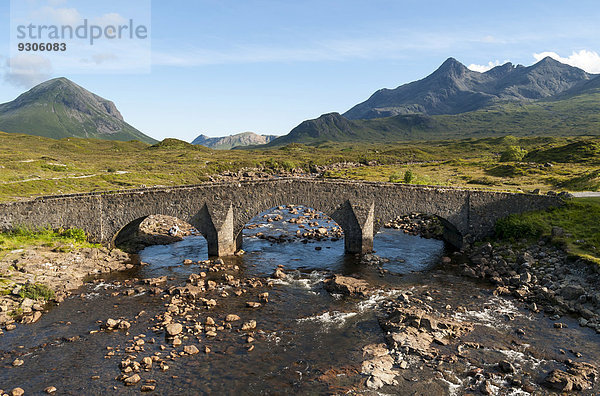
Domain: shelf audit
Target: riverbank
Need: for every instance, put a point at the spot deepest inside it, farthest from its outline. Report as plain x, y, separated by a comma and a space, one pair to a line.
35, 278
542, 276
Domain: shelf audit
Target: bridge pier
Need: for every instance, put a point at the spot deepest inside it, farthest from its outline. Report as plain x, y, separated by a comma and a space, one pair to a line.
357, 222
216, 224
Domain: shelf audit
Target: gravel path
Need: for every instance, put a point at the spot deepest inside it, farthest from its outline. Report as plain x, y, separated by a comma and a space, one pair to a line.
586, 194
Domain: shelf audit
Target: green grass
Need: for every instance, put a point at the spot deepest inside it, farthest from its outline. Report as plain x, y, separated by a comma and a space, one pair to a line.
33, 166
20, 238
579, 218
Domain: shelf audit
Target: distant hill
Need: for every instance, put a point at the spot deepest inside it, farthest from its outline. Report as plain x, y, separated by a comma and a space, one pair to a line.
229, 142
454, 89
60, 108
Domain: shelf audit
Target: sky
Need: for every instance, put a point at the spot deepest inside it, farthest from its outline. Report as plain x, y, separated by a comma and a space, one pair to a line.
220, 67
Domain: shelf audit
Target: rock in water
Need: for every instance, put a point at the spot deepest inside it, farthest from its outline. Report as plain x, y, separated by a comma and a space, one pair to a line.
347, 285
174, 328
251, 325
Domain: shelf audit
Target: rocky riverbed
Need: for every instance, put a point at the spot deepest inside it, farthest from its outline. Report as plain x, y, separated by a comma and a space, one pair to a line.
420, 224
413, 318
296, 222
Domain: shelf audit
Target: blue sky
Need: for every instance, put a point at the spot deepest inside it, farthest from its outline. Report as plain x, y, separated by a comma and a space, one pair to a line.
223, 67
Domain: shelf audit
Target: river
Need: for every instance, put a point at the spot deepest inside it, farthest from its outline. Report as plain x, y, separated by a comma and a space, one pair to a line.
307, 341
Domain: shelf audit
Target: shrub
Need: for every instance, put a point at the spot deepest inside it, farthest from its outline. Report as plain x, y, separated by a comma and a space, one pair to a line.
288, 165
513, 154
409, 176
35, 291
76, 234
515, 227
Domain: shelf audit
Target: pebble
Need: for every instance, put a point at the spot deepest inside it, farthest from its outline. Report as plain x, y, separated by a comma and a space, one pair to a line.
251, 325
134, 379
50, 389
17, 392
190, 349
147, 362
279, 274
264, 297
18, 362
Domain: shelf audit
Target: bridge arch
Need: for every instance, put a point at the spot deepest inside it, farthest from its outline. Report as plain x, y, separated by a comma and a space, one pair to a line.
450, 232
151, 230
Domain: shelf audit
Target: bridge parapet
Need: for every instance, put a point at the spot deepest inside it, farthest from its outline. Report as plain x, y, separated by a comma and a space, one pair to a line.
220, 210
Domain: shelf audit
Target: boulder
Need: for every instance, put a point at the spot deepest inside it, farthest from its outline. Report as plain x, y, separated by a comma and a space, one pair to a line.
347, 285
572, 291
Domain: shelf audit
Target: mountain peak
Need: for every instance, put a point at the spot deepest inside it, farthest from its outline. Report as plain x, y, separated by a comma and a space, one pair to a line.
500, 70
451, 65
60, 108
549, 62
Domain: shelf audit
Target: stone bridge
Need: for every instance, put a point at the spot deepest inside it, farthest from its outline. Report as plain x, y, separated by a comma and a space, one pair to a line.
220, 210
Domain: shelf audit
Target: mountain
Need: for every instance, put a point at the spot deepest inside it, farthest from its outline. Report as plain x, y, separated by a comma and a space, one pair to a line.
454, 89
229, 142
574, 112
60, 108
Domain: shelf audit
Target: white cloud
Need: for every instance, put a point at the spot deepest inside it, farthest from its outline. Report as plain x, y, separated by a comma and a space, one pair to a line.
484, 68
584, 59
55, 3
27, 70
323, 50
60, 16
112, 19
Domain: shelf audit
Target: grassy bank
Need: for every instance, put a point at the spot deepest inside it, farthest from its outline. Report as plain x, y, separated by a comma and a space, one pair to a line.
575, 226
61, 239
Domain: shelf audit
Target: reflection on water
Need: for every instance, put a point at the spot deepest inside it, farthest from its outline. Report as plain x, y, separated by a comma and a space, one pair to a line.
406, 254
